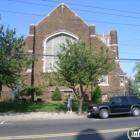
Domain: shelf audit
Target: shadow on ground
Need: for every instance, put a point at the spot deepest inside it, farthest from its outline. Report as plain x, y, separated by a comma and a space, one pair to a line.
111, 117
88, 134
91, 134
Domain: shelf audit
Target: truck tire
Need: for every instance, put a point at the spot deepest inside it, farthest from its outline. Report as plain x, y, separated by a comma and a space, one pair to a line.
104, 114
135, 111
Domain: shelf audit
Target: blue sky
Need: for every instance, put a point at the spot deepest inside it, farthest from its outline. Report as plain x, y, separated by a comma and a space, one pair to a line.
106, 15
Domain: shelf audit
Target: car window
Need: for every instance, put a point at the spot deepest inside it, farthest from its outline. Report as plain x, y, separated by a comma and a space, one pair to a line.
134, 99
117, 100
124, 99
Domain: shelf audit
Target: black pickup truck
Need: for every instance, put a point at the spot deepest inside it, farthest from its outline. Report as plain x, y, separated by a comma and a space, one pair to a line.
117, 105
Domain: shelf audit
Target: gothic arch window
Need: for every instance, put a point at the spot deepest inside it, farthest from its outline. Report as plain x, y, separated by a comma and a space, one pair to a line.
51, 47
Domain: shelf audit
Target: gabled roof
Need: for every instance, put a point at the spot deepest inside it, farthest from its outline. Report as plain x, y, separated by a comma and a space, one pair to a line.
62, 4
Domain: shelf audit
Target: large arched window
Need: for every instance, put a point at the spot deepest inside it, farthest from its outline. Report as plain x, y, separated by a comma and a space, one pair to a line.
51, 47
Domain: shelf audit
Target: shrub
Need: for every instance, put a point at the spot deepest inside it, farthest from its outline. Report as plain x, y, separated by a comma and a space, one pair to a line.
8, 100
31, 91
16, 92
56, 96
96, 95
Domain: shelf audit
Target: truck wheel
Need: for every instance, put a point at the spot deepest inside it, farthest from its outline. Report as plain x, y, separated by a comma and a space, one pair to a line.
104, 114
135, 111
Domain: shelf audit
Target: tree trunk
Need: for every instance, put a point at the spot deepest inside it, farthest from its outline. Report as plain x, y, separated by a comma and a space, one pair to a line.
32, 96
0, 94
81, 106
81, 99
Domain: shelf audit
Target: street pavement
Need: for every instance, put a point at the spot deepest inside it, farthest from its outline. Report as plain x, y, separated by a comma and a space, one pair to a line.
40, 115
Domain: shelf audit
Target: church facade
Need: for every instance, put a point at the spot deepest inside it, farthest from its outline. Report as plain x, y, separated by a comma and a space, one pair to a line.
63, 23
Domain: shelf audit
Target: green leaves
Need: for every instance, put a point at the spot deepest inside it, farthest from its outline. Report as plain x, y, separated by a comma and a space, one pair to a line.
12, 58
79, 67
56, 95
136, 69
28, 91
79, 64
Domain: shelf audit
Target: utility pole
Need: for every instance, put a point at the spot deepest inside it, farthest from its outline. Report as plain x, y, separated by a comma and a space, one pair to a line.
32, 28
0, 90
32, 73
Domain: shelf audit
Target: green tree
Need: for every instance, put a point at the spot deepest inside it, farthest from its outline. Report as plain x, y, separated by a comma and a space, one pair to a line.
136, 83
12, 58
56, 96
96, 95
136, 69
79, 67
131, 87
31, 90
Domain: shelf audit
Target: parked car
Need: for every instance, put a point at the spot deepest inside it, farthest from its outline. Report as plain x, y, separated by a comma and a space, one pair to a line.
117, 105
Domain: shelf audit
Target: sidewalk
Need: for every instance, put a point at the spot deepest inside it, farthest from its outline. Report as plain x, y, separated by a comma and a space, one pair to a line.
40, 116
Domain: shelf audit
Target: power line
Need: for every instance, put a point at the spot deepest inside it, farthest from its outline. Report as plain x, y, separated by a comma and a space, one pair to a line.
15, 12
130, 40
30, 3
79, 9
124, 24
30, 54
129, 53
113, 23
127, 61
118, 41
130, 45
107, 14
93, 7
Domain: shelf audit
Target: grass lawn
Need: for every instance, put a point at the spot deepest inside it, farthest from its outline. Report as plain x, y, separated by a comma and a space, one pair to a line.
38, 107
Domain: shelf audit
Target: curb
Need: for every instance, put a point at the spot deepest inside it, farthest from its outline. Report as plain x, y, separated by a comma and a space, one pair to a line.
40, 115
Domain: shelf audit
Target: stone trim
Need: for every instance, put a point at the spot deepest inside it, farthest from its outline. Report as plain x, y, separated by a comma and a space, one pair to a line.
113, 45
31, 34
103, 84
29, 70
30, 51
92, 35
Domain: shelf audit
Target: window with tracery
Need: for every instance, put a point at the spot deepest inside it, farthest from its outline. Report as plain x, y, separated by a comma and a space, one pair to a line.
51, 48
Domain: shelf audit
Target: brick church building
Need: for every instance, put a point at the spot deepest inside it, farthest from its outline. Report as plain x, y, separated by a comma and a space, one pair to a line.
61, 23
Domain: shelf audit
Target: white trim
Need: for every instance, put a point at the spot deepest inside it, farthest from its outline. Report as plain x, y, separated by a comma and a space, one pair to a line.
106, 79
114, 50
30, 51
92, 25
117, 60
123, 75
32, 24
103, 84
29, 70
57, 33
31, 34
92, 35
122, 84
113, 45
